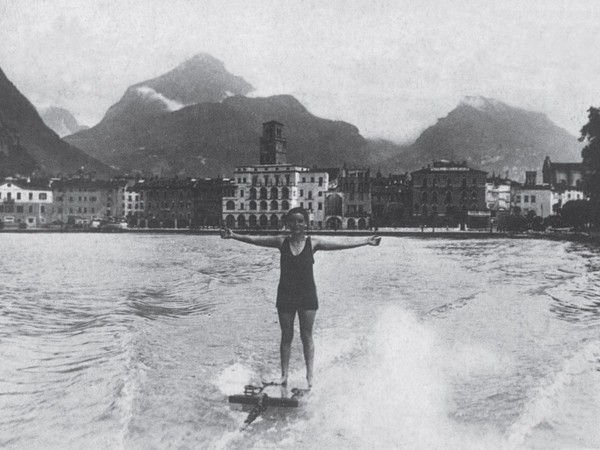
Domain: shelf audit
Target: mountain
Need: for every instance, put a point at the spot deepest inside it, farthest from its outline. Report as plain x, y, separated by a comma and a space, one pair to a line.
28, 146
195, 120
491, 136
201, 79
60, 120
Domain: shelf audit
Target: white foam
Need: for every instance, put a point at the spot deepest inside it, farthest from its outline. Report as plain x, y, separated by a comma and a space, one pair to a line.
394, 394
232, 378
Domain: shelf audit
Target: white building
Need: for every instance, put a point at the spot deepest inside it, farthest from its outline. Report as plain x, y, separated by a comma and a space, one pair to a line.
24, 204
498, 195
538, 199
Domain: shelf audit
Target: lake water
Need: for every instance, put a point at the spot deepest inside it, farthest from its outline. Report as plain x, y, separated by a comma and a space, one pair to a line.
135, 341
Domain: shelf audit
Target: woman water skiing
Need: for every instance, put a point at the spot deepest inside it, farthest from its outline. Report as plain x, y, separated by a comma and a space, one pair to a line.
297, 292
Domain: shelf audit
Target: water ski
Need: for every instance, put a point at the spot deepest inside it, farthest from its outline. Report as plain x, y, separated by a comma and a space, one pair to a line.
269, 394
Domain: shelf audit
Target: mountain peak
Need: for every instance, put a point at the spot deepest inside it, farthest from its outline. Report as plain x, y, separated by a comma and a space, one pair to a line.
201, 61
482, 103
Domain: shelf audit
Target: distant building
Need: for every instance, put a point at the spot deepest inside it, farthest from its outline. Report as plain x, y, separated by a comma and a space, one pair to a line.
391, 200
450, 190
263, 193
498, 195
79, 201
566, 181
25, 203
348, 200
567, 175
179, 203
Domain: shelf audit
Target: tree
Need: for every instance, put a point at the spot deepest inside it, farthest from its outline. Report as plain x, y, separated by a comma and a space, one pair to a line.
590, 134
577, 213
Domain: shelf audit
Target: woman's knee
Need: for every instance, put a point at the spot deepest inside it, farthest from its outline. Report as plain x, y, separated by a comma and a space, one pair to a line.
287, 336
306, 337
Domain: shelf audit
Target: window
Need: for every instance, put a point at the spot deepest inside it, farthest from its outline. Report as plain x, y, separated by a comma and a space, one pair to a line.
526, 199
30, 209
533, 199
301, 192
518, 199
252, 205
31, 196
424, 184
310, 195
230, 205
18, 196
320, 181
320, 206
241, 205
19, 208
310, 205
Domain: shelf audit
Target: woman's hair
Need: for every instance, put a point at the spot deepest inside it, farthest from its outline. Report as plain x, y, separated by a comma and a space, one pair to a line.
297, 210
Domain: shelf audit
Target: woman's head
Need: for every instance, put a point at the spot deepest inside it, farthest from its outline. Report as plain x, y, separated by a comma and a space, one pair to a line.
297, 218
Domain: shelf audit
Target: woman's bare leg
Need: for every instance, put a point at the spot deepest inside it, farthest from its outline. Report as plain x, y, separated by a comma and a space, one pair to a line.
286, 322
307, 319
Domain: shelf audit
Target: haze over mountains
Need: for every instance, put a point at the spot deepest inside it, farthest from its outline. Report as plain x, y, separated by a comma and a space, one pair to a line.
197, 120
60, 120
28, 146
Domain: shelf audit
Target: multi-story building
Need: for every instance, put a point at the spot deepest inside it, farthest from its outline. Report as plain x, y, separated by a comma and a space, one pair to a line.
532, 197
568, 174
566, 181
264, 193
177, 203
498, 195
169, 203
81, 200
348, 203
25, 203
391, 200
208, 201
451, 190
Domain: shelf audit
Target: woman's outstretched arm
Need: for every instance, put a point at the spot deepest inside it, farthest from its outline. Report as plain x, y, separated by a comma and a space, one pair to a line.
340, 243
262, 241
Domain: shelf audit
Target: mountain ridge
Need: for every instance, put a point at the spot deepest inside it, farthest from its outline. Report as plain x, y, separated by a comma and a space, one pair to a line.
29, 146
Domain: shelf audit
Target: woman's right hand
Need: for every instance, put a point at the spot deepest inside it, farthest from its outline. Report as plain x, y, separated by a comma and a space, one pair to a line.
226, 233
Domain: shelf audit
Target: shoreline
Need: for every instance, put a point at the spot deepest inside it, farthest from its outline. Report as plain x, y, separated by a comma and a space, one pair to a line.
405, 232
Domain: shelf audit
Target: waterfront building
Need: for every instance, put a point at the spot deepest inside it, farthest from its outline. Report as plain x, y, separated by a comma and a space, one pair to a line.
348, 200
532, 198
180, 203
498, 195
133, 204
566, 181
391, 200
25, 203
208, 201
81, 200
262, 194
450, 190
168, 201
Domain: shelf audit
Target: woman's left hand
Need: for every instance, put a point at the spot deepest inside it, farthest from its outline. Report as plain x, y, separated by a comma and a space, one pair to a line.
374, 240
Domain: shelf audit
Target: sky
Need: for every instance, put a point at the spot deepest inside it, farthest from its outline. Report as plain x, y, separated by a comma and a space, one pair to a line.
392, 68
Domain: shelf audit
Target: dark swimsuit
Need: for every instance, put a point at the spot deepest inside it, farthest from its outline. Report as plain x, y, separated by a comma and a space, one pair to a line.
297, 288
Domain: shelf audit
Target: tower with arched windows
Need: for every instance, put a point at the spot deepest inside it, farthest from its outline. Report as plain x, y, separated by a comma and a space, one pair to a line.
272, 144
